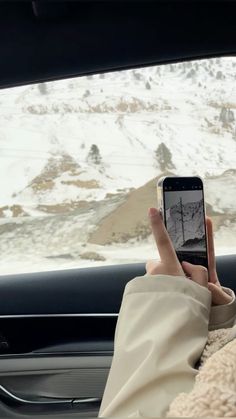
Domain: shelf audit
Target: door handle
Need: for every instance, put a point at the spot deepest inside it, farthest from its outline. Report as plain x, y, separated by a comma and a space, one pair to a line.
47, 403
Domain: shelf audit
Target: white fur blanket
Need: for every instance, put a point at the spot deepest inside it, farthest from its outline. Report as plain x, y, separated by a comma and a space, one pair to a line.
214, 392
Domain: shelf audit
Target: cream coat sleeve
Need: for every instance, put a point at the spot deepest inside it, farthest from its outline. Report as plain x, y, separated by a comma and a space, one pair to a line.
160, 335
223, 316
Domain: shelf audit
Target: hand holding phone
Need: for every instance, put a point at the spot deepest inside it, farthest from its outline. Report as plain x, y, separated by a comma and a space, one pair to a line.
170, 265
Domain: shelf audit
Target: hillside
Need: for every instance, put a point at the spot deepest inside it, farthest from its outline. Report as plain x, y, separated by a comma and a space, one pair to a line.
80, 158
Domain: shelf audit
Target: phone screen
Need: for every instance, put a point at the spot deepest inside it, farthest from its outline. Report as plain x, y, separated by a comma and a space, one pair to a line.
185, 218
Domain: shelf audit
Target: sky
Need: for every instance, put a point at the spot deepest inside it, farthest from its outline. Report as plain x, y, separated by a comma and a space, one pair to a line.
172, 198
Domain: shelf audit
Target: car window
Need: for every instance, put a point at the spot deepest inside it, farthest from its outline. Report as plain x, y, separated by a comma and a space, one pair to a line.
80, 159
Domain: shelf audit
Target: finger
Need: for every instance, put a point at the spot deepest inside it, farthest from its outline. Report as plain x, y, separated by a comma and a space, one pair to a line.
219, 296
154, 268
210, 242
150, 266
197, 273
211, 251
163, 242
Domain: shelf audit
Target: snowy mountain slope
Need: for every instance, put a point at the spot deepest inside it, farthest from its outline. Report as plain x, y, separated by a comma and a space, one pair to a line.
127, 115
70, 146
185, 224
220, 192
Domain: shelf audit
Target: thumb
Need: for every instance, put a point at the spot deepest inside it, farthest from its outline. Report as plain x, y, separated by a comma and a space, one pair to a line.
197, 273
219, 296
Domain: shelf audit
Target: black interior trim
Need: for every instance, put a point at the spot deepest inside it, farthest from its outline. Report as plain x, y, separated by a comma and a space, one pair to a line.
39, 336
88, 347
88, 290
42, 41
33, 406
73, 291
46, 405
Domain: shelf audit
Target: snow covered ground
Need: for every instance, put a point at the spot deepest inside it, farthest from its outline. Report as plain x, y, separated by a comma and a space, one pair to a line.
131, 252
72, 151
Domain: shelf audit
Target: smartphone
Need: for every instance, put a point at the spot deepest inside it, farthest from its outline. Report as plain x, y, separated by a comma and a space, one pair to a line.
181, 200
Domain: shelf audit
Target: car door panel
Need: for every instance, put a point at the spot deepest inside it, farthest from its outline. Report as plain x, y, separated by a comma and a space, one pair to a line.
57, 331
39, 380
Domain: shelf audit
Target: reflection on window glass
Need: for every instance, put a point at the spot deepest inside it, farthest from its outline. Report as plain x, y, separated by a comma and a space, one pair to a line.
80, 159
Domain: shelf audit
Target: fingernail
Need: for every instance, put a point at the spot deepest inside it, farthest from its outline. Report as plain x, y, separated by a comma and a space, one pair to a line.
152, 212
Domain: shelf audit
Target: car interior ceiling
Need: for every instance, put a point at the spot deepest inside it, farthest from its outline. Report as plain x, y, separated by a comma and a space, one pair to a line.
52, 40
